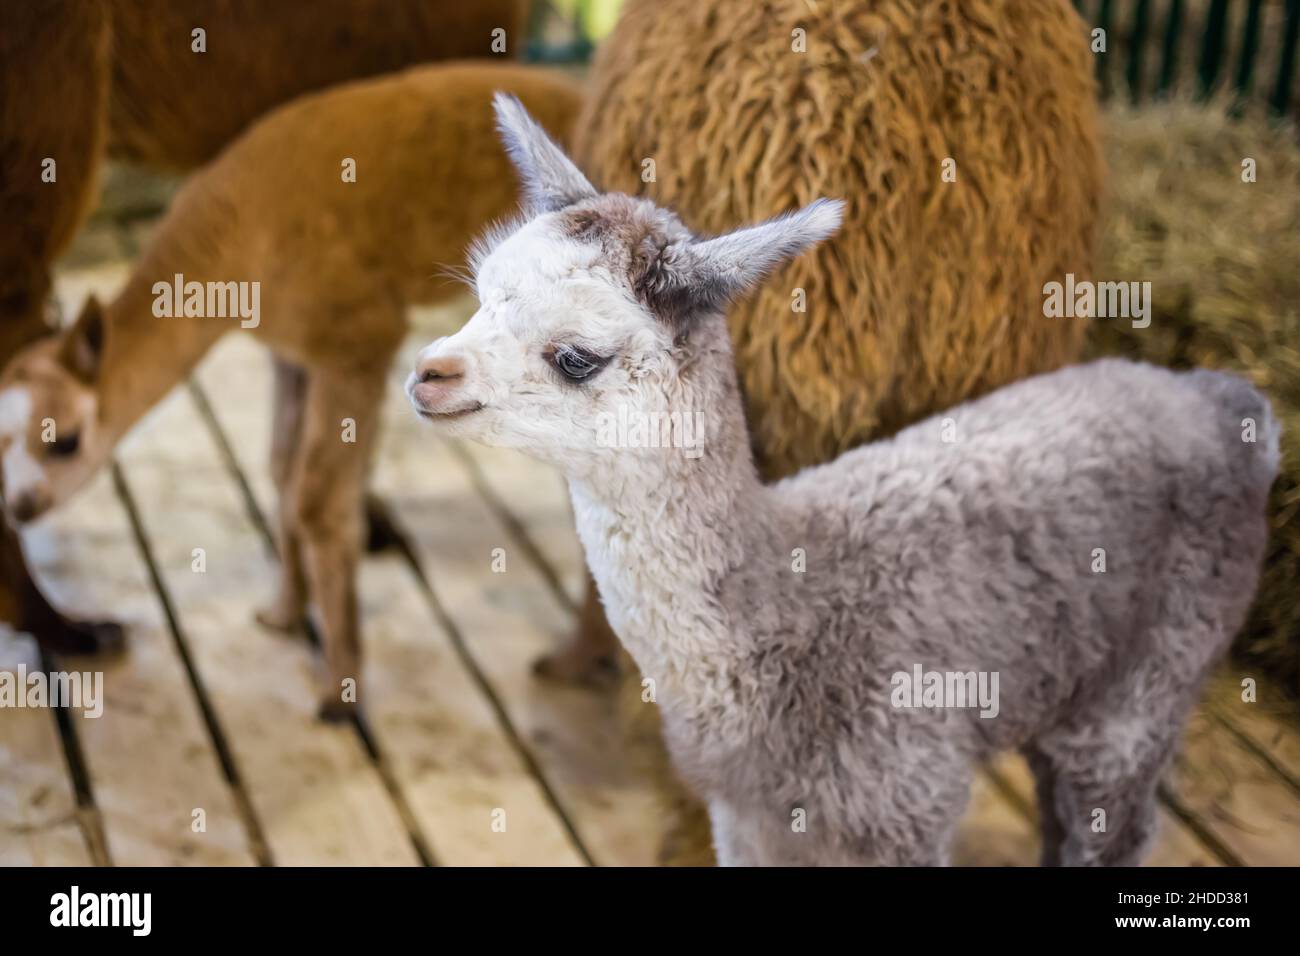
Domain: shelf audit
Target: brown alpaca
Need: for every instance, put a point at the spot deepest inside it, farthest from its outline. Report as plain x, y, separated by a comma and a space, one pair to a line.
931, 293
335, 262
175, 108
52, 135
171, 107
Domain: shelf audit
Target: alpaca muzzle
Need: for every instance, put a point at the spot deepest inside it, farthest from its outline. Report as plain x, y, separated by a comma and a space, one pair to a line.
437, 386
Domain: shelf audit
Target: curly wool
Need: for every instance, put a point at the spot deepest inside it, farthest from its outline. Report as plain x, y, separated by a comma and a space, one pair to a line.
931, 293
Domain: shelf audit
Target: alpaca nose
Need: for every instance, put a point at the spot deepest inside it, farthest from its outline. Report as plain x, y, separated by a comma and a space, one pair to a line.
435, 368
441, 381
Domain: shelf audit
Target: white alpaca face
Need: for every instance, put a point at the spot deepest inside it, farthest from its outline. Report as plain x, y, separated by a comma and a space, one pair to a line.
557, 343
50, 441
601, 308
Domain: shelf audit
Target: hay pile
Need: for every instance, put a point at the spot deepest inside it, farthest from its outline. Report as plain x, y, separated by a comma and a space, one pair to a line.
1223, 258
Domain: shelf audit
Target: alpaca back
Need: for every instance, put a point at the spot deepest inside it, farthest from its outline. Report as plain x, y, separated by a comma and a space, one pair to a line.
1080, 547
174, 107
931, 292
281, 205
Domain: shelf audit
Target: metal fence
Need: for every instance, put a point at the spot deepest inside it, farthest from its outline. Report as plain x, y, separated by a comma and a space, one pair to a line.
1246, 48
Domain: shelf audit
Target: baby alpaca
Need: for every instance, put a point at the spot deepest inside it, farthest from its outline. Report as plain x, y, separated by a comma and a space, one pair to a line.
315, 230
775, 620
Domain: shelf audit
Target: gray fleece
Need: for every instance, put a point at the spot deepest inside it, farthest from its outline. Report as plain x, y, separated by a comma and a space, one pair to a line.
981, 553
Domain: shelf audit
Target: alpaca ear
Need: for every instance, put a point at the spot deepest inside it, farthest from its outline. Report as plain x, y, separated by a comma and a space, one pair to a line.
707, 274
82, 345
736, 262
549, 178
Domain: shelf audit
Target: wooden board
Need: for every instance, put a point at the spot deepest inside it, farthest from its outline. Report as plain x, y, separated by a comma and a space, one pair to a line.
993, 833
38, 809
433, 725
536, 500
150, 760
148, 757
1264, 721
1236, 795
316, 794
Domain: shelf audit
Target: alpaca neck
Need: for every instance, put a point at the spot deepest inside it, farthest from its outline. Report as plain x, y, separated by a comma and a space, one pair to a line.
201, 239
662, 532
145, 355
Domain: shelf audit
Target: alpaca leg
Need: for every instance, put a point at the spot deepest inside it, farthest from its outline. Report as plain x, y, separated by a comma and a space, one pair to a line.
918, 833
591, 655
734, 843
288, 609
382, 530
326, 503
1051, 829
24, 606
771, 837
1103, 788
1107, 760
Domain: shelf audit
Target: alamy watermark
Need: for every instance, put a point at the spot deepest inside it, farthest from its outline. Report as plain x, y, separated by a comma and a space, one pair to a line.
209, 300
629, 428
933, 690
1098, 300
83, 690
133, 911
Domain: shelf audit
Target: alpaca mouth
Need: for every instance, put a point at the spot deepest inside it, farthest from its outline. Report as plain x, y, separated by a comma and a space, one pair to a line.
450, 416
26, 509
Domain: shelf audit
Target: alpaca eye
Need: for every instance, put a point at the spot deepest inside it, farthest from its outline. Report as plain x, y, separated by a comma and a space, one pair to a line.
66, 445
576, 364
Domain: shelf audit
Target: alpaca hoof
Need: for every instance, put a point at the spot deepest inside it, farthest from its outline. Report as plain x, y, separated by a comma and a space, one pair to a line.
277, 620
97, 638
335, 710
565, 666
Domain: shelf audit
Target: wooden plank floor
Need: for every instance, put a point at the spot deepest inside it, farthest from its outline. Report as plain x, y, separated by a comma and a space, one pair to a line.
209, 753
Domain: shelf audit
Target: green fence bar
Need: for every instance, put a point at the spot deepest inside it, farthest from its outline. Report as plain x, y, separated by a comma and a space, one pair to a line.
1169, 53
1281, 100
1141, 19
1249, 48
1216, 19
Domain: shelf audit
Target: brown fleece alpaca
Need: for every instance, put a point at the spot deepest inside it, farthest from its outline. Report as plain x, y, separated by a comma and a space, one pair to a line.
41, 206
170, 107
930, 294
175, 108
337, 262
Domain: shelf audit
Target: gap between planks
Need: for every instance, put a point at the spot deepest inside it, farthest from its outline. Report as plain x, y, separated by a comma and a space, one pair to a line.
313, 787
